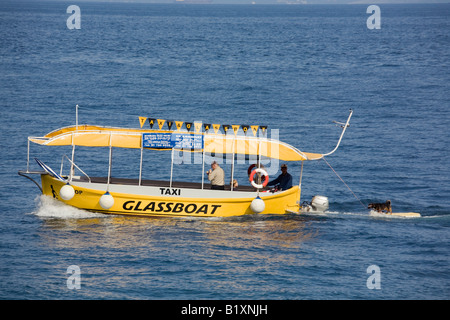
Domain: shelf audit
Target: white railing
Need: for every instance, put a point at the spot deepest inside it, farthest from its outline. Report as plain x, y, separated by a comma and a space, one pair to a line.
73, 164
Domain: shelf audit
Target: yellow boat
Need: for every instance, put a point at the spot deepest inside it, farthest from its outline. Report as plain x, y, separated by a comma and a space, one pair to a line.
139, 197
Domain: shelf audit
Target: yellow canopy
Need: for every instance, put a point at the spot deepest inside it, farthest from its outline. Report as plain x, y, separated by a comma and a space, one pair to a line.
96, 136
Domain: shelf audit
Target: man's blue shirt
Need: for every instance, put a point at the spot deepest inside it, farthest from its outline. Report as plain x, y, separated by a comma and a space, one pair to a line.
284, 180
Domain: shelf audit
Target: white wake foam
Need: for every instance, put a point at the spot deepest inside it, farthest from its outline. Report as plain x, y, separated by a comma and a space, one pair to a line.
48, 207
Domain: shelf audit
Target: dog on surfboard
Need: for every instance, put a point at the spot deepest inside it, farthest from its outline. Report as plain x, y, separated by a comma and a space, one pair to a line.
380, 207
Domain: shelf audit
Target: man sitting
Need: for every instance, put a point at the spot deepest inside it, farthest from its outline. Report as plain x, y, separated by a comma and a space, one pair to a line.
284, 180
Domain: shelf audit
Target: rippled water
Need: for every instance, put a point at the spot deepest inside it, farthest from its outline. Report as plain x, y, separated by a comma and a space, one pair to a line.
293, 68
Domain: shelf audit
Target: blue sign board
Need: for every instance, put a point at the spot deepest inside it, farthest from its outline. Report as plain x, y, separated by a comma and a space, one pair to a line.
169, 140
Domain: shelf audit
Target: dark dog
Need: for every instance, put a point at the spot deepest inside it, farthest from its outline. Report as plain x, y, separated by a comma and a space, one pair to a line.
379, 207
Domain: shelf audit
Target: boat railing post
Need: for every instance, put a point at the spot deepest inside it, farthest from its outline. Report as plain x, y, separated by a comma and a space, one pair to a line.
75, 165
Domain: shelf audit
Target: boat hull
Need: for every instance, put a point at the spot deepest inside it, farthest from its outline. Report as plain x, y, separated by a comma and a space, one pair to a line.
164, 201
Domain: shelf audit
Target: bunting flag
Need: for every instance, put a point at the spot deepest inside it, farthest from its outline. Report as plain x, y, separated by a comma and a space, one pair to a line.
254, 130
142, 120
263, 130
235, 128
151, 121
198, 126
161, 123
245, 128
216, 127
226, 127
205, 126
188, 126
179, 125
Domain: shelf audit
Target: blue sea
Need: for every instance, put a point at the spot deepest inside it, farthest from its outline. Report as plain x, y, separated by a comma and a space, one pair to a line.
293, 68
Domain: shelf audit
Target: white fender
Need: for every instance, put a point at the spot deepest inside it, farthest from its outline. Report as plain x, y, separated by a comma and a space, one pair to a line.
67, 192
106, 201
257, 205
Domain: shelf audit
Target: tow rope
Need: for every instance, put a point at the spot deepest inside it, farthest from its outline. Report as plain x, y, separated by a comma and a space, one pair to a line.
363, 204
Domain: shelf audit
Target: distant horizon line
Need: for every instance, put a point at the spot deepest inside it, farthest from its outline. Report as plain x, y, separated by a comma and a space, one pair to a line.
254, 2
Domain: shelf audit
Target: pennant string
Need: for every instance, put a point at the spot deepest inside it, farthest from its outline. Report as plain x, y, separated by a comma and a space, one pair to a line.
205, 126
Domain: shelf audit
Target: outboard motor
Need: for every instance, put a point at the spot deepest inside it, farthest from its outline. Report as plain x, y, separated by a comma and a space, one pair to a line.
317, 204
320, 203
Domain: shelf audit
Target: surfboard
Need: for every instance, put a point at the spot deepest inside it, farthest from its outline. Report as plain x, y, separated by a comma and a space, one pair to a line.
396, 214
407, 214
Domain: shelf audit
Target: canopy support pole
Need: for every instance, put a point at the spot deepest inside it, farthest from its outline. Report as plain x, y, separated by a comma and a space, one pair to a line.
76, 117
28, 156
203, 168
232, 168
259, 166
301, 176
171, 170
110, 163
72, 168
140, 165
259, 154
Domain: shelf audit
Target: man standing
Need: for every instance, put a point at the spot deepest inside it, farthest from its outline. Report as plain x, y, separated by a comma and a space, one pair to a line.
216, 176
284, 180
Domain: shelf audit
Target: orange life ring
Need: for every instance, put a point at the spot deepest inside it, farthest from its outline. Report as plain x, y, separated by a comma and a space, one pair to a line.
249, 170
263, 173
